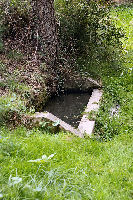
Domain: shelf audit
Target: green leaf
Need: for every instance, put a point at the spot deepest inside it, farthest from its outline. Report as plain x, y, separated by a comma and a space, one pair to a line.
56, 123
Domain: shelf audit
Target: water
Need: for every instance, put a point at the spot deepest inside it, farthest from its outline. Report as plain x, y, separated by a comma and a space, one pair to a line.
68, 107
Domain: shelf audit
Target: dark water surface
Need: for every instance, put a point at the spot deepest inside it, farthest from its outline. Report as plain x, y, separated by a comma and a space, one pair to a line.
68, 107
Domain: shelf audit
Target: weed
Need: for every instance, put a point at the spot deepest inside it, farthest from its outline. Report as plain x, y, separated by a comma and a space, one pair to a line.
11, 106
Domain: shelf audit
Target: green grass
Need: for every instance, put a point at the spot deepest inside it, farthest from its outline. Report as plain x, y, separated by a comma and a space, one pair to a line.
118, 84
81, 169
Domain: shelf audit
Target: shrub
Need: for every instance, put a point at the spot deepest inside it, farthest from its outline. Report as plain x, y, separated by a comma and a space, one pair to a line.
16, 19
86, 31
11, 107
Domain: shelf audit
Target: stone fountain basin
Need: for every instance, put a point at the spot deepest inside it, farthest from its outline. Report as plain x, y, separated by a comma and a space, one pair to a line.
86, 125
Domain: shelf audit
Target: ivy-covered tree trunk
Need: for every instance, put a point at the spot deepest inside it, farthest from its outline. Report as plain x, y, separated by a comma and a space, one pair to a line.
46, 31
47, 43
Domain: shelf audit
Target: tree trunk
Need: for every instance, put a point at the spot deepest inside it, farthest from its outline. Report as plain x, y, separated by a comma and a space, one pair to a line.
46, 31
47, 43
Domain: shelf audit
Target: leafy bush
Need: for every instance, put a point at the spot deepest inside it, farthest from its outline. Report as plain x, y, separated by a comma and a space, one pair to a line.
16, 19
14, 12
11, 107
86, 31
117, 94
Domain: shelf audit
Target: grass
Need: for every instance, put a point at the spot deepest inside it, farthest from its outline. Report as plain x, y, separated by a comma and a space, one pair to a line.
118, 85
99, 168
80, 168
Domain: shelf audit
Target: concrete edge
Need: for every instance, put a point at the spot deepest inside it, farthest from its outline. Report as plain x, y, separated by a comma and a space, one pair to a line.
49, 117
86, 125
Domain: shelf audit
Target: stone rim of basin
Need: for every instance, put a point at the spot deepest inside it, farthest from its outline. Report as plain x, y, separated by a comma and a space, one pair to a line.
86, 125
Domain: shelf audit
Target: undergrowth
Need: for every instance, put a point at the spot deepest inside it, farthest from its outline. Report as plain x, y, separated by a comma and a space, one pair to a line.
118, 84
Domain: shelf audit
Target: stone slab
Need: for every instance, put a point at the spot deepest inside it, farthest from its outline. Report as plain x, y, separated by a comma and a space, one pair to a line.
86, 126
46, 116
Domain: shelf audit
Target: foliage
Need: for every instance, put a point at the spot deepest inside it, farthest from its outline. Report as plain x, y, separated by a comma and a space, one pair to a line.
12, 10
86, 32
11, 106
16, 19
118, 84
